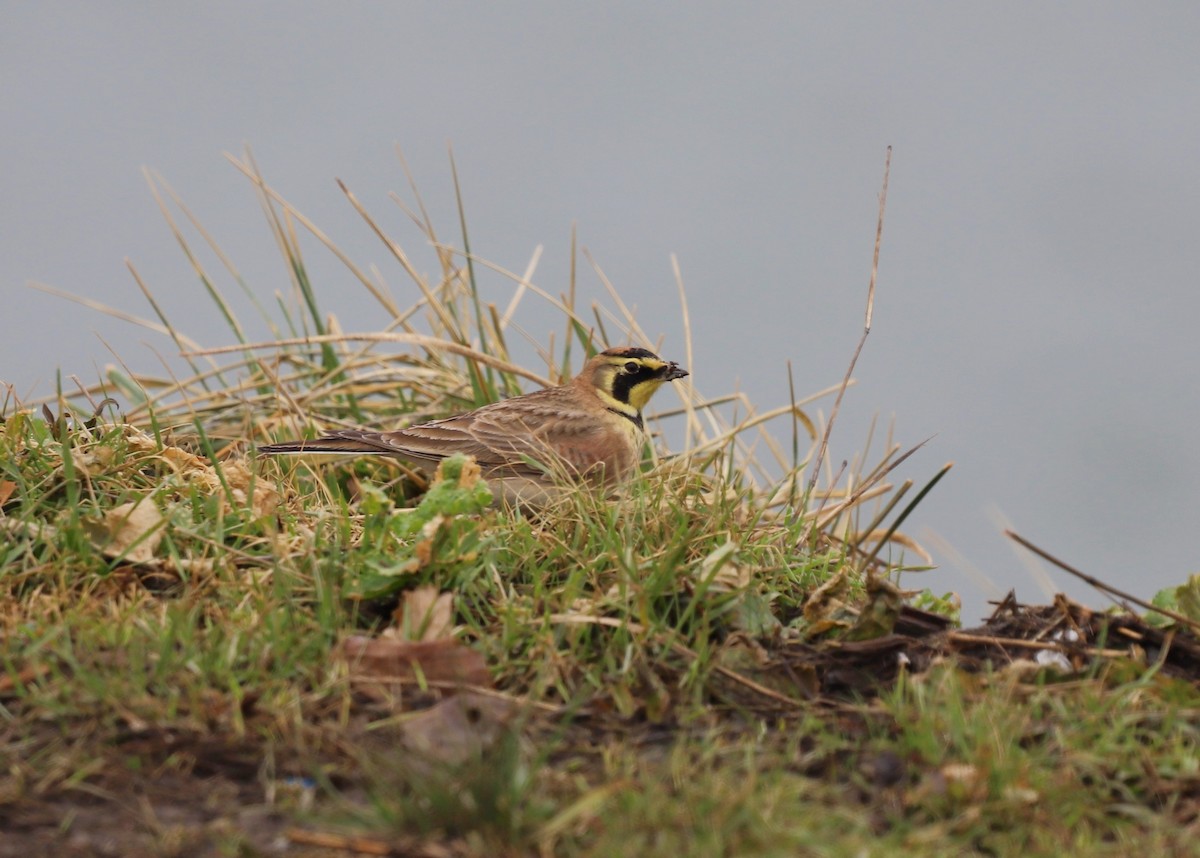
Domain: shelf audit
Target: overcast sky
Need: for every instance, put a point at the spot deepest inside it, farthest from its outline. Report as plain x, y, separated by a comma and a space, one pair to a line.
1037, 286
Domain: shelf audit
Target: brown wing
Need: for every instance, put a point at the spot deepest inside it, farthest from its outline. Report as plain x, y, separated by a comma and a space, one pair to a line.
429, 443
487, 437
501, 436
551, 428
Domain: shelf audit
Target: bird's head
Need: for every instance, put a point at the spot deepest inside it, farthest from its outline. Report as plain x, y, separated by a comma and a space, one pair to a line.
629, 376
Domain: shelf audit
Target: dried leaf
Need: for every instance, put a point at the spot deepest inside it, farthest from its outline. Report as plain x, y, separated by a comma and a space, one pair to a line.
249, 490
7, 487
827, 598
458, 729
717, 571
396, 661
246, 488
752, 614
131, 531
878, 617
896, 538
424, 615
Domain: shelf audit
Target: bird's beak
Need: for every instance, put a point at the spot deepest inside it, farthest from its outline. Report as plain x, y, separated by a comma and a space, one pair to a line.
674, 371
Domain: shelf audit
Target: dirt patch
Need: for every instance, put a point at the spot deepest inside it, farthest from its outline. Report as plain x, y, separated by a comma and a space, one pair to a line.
154, 794
162, 792
172, 814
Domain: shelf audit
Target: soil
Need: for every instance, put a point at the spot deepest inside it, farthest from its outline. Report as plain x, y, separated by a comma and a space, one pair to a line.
167, 793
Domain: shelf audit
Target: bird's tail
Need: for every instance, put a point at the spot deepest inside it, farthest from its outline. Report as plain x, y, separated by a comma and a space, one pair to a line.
329, 445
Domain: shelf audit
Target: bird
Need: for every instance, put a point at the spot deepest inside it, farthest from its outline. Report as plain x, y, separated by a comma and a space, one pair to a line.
529, 447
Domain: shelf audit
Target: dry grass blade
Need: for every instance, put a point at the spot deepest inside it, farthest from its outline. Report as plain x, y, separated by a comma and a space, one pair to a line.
183, 341
213, 292
293, 213
866, 486
398, 252
522, 284
887, 167
432, 343
891, 531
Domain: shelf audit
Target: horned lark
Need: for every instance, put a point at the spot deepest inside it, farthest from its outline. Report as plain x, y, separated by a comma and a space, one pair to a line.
589, 429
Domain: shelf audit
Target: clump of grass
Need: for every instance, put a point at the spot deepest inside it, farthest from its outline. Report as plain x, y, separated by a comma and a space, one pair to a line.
713, 528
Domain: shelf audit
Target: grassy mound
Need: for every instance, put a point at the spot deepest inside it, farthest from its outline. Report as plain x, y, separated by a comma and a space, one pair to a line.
210, 654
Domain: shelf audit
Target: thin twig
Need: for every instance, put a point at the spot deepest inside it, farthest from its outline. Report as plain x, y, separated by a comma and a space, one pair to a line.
345, 842
1100, 585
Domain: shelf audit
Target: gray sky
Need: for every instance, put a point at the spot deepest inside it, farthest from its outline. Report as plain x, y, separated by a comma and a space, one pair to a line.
1037, 284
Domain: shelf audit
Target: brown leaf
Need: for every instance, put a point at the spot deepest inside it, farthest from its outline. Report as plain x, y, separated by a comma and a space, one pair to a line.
7, 487
827, 597
878, 617
457, 729
248, 489
424, 615
826, 608
131, 530
397, 661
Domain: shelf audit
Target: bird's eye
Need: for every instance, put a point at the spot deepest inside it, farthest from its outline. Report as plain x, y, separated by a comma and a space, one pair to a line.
632, 367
